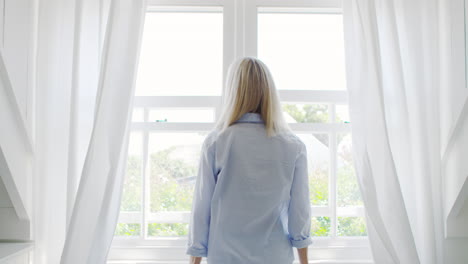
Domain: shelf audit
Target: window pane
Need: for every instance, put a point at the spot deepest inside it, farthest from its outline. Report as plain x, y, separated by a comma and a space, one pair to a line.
347, 185
320, 226
127, 229
173, 161
318, 156
132, 188
342, 114
303, 51
352, 226
181, 54
181, 115
306, 113
177, 229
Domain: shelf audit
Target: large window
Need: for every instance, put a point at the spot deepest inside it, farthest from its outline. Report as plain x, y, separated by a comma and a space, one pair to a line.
181, 59
187, 47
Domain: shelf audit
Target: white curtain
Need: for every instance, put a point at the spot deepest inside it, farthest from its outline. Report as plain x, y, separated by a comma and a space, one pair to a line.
96, 206
391, 54
88, 37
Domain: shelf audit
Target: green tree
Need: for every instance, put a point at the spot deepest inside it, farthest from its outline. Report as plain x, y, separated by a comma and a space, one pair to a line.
177, 229
320, 226
124, 229
348, 193
171, 189
318, 185
131, 196
310, 113
352, 226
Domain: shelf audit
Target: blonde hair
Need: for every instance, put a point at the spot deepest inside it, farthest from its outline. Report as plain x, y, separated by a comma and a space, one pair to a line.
250, 88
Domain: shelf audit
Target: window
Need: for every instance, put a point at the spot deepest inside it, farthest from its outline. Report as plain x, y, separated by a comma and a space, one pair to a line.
179, 81
186, 50
309, 42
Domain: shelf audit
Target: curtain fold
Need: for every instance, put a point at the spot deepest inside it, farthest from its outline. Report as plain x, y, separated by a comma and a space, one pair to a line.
391, 57
85, 78
96, 206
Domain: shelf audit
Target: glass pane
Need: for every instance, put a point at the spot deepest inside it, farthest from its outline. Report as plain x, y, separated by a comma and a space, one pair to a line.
303, 51
342, 114
132, 188
173, 165
177, 229
347, 185
318, 156
181, 115
127, 229
320, 226
352, 226
306, 113
181, 54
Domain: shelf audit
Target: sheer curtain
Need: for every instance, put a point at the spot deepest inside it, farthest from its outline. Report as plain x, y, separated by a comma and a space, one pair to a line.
96, 206
391, 54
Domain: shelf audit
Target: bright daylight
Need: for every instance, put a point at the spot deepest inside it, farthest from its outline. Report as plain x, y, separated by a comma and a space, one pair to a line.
233, 132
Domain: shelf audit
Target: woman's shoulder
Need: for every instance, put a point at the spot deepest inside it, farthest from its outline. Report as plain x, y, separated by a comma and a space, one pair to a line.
210, 139
291, 138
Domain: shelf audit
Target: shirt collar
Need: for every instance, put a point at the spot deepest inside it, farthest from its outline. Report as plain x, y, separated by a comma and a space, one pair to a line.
250, 118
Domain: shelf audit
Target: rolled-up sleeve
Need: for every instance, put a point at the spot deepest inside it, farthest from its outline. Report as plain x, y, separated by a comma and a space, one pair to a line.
201, 208
299, 219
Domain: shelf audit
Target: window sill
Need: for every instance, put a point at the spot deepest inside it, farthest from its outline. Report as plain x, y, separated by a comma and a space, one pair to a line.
345, 250
11, 250
204, 262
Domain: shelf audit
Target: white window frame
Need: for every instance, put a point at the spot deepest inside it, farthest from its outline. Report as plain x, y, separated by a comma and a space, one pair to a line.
239, 40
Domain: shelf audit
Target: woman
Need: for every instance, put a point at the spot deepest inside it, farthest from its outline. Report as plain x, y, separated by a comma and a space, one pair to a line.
251, 201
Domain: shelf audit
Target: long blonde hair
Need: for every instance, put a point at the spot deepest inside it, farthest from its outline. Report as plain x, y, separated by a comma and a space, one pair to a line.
250, 88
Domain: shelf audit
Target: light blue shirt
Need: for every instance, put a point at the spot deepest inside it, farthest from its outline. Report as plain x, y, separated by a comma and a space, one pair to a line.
251, 202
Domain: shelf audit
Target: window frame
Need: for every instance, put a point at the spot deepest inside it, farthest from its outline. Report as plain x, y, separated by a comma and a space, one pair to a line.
240, 40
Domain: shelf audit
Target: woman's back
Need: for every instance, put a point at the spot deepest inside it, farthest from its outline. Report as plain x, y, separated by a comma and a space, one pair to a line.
257, 184
251, 200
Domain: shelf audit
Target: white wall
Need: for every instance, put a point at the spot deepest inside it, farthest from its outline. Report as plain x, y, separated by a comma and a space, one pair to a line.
454, 138
454, 93
11, 226
17, 45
